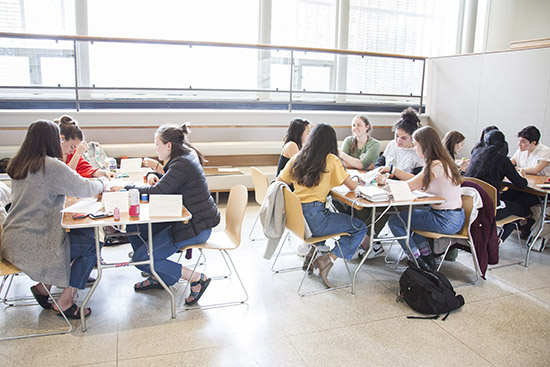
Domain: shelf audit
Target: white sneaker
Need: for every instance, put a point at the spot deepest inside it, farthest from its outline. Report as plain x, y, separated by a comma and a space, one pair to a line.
302, 249
377, 250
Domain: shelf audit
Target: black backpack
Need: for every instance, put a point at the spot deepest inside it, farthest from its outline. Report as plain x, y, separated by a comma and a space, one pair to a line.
428, 293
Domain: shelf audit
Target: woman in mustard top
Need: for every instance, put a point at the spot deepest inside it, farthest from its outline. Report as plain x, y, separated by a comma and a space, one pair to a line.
314, 171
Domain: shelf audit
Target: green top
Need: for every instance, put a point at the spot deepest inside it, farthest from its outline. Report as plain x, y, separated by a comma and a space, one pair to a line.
367, 155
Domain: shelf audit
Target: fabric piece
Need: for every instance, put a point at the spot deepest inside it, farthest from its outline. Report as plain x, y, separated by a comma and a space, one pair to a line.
406, 159
441, 185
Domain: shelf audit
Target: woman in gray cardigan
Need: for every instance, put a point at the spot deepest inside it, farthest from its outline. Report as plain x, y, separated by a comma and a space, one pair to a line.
33, 239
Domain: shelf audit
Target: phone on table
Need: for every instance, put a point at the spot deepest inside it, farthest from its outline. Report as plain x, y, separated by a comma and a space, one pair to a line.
79, 216
99, 215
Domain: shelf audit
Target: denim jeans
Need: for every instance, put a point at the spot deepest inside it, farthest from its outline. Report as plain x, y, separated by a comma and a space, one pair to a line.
323, 222
163, 247
425, 219
83, 256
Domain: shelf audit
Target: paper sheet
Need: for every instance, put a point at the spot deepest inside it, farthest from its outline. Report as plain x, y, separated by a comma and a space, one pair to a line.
228, 169
421, 194
130, 165
400, 190
84, 206
369, 176
165, 205
118, 200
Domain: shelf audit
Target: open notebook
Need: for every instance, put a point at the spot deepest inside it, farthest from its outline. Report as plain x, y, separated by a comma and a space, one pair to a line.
373, 193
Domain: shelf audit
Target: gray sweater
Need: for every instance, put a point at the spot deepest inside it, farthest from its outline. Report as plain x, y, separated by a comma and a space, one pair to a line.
33, 239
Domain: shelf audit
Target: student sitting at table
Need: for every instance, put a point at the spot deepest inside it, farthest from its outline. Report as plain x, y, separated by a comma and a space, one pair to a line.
481, 143
489, 165
439, 177
532, 158
295, 138
184, 176
314, 171
400, 152
74, 146
453, 141
360, 151
33, 239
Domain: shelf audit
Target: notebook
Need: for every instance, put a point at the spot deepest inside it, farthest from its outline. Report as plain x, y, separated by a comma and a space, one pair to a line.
373, 193
400, 191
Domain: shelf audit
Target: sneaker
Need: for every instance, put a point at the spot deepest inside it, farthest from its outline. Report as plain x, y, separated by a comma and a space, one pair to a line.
377, 250
302, 249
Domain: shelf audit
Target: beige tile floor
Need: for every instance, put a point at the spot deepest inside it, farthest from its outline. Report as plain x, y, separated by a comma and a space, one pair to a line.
505, 321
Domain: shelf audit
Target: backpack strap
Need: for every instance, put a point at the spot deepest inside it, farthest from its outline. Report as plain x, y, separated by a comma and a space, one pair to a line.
434, 317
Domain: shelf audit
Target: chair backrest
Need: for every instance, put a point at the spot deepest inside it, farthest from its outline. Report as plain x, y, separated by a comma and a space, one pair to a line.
489, 189
294, 221
467, 204
234, 213
261, 183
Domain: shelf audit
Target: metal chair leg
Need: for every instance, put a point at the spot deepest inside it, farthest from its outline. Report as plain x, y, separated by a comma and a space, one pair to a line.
279, 253
252, 230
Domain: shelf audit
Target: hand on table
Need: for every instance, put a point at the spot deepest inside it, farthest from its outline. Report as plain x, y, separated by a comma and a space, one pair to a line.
152, 180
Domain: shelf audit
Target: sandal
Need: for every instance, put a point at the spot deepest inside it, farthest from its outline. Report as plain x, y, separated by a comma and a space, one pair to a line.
153, 284
73, 312
41, 299
203, 282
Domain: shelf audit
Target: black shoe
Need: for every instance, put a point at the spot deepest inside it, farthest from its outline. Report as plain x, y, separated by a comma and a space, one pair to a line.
429, 259
525, 230
307, 259
424, 265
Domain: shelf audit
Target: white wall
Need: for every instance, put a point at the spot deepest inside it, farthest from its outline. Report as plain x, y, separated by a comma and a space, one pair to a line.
508, 89
516, 20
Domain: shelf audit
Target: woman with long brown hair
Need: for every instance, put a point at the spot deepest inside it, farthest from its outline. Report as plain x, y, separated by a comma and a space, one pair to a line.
33, 239
439, 177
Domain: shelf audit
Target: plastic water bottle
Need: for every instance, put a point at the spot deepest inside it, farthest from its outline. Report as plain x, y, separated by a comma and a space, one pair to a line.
111, 164
134, 203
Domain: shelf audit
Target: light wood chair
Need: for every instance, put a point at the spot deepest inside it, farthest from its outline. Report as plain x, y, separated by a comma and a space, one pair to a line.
463, 234
295, 223
8, 271
225, 241
261, 183
492, 191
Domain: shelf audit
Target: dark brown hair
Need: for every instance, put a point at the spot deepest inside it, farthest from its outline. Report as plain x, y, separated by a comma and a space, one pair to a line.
409, 121
177, 136
432, 150
42, 139
312, 158
68, 127
450, 140
368, 125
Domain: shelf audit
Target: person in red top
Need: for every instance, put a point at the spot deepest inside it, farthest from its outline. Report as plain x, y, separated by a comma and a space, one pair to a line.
74, 146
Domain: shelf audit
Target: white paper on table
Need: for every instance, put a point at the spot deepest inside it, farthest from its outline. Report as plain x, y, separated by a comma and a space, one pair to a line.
400, 190
369, 176
130, 165
165, 205
228, 169
342, 189
112, 200
84, 206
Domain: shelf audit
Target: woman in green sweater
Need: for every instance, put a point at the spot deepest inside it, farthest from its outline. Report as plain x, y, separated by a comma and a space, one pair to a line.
360, 151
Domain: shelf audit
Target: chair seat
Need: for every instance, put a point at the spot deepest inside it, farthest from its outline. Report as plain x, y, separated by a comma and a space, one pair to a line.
436, 236
217, 241
507, 220
7, 268
324, 238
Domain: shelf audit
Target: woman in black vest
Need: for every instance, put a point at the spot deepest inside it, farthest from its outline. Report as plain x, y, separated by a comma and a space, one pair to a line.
183, 175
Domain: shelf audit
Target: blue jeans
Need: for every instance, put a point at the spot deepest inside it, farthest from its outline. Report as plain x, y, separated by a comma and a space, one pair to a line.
323, 222
163, 247
83, 256
425, 219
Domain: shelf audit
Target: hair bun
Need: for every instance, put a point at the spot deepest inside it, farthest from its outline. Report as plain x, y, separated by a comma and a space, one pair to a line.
410, 116
66, 119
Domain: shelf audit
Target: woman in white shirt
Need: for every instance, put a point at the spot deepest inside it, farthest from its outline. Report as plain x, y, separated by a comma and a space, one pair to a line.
439, 177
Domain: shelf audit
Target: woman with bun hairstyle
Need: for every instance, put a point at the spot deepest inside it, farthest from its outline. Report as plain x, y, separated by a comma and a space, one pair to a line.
33, 239
489, 165
439, 177
314, 171
183, 175
400, 152
295, 138
360, 151
74, 146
